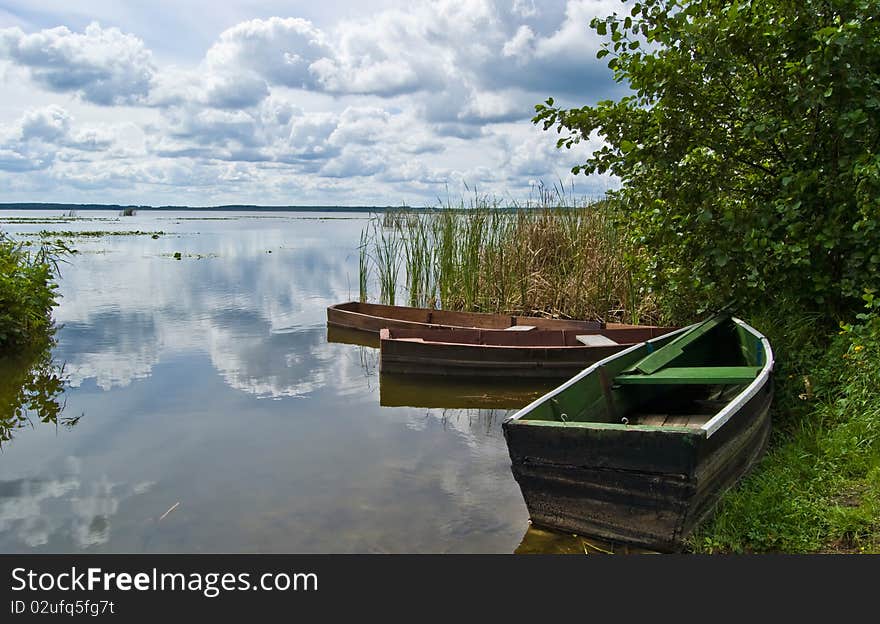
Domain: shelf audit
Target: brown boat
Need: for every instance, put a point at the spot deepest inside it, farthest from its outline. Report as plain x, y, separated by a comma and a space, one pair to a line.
538, 353
373, 317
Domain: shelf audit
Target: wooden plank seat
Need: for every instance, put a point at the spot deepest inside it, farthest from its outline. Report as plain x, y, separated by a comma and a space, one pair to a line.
694, 375
595, 340
670, 420
655, 361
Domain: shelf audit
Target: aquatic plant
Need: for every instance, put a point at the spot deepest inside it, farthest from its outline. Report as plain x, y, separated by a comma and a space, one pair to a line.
560, 258
386, 256
363, 267
92, 233
28, 291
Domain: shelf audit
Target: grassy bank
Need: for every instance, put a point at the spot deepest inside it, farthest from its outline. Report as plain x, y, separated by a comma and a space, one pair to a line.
27, 292
565, 260
818, 487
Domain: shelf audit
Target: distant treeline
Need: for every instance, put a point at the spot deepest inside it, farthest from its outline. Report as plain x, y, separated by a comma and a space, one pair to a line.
119, 207
461, 207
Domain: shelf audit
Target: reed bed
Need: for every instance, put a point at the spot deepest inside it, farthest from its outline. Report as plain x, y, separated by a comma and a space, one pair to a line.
567, 260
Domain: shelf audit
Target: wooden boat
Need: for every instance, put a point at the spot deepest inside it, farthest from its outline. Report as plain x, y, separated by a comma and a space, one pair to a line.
356, 337
374, 317
479, 353
637, 448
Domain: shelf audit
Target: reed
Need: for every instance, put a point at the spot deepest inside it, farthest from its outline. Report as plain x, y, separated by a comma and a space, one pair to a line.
363, 266
554, 257
387, 245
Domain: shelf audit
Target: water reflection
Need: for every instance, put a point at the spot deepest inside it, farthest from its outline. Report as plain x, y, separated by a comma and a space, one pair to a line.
434, 391
67, 507
540, 541
31, 390
127, 308
113, 347
440, 392
210, 381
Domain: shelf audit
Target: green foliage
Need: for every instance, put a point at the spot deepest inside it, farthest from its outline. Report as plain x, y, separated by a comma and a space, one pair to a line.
818, 488
62, 234
749, 148
27, 292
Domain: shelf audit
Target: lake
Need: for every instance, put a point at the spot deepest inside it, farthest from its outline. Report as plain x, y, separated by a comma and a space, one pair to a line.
206, 410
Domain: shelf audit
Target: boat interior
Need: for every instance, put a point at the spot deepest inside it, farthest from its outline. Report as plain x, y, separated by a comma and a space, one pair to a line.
681, 380
530, 338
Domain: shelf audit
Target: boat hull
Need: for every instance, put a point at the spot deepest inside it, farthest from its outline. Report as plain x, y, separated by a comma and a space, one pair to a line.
470, 353
374, 317
642, 486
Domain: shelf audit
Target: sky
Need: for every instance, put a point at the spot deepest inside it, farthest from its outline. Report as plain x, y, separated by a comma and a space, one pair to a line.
372, 102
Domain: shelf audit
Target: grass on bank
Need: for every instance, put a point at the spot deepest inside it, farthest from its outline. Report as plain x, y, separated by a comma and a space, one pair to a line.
27, 292
818, 487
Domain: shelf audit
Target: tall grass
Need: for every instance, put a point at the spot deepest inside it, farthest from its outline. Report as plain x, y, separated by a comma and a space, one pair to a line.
387, 243
363, 266
560, 258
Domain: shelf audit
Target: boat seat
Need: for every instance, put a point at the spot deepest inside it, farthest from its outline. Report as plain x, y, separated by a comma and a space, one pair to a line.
596, 340
694, 375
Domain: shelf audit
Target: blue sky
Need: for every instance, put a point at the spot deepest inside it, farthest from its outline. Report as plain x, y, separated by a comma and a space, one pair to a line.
359, 103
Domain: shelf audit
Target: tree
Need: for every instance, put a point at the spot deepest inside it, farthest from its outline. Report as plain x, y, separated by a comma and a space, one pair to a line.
747, 148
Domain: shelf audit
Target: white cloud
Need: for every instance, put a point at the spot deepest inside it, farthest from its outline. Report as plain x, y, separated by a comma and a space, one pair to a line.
525, 8
353, 163
103, 66
41, 136
296, 106
279, 49
571, 41
520, 45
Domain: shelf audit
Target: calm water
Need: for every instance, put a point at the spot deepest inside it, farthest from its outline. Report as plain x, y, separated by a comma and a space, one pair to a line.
207, 386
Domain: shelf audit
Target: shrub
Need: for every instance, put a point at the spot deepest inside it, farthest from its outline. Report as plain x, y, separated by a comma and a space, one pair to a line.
748, 149
27, 291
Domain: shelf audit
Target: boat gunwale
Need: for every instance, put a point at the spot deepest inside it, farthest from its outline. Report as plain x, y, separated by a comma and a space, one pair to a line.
716, 422
385, 334
339, 308
705, 430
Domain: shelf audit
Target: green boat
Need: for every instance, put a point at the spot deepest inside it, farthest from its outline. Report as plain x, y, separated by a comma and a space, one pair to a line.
637, 448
